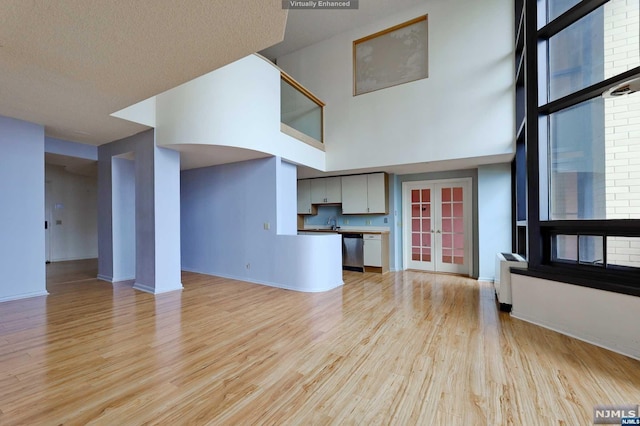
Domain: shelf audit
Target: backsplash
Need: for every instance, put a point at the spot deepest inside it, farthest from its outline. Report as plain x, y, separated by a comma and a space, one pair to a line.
328, 212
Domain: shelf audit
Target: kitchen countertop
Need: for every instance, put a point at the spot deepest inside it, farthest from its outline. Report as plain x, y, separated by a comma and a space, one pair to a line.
345, 231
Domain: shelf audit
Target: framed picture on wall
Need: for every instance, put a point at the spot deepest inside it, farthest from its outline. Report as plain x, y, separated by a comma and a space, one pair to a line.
390, 57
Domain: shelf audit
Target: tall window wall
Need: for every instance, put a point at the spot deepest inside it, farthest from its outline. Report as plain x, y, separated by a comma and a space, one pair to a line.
578, 143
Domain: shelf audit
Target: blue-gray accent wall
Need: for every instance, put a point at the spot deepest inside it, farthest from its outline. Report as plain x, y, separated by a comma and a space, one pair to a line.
22, 252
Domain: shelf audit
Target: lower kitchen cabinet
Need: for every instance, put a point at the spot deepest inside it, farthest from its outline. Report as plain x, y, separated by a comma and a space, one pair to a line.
376, 252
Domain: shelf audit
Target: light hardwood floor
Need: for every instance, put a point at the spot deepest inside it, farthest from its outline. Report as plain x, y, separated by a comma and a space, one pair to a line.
404, 348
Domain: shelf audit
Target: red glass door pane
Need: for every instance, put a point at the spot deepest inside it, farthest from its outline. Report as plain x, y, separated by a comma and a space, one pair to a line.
421, 244
452, 221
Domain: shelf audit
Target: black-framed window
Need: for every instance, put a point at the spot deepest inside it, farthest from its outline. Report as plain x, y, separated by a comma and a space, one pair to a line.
581, 145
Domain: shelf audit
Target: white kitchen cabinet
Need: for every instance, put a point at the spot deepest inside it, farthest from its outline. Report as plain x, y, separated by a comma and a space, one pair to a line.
334, 189
372, 250
326, 190
354, 194
377, 193
376, 252
362, 194
304, 197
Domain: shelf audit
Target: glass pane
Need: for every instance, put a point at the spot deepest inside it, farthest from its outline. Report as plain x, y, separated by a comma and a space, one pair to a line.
415, 239
458, 225
426, 195
594, 160
426, 240
446, 210
446, 225
447, 241
415, 254
590, 250
565, 248
600, 45
415, 225
415, 210
415, 196
623, 251
457, 210
446, 194
299, 111
458, 241
426, 255
426, 210
558, 7
457, 194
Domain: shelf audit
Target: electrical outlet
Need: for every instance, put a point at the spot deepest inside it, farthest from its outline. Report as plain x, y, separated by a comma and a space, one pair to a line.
368, 222
386, 220
345, 221
248, 265
267, 226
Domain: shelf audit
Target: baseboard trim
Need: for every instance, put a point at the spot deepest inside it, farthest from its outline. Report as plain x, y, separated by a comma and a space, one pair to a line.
121, 279
486, 280
69, 259
610, 346
24, 296
151, 290
106, 278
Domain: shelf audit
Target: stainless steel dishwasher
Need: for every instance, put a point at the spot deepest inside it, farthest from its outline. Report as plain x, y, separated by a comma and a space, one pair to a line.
352, 252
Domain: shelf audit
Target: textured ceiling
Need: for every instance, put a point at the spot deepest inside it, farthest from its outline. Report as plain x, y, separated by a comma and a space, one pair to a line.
68, 64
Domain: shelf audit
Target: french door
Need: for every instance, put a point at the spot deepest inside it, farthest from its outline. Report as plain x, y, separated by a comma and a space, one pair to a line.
437, 226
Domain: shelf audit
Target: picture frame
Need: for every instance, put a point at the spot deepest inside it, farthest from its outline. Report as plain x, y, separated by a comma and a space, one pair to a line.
390, 57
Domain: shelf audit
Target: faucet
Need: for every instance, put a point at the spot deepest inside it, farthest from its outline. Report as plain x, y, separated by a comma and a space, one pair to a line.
335, 223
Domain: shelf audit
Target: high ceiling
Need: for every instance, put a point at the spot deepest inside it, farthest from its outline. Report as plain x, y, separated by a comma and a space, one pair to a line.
69, 64
306, 27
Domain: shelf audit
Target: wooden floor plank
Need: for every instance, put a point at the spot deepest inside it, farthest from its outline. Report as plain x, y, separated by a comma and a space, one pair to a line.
400, 348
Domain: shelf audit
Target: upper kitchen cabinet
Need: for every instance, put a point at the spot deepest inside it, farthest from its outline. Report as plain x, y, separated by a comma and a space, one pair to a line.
304, 197
362, 194
326, 190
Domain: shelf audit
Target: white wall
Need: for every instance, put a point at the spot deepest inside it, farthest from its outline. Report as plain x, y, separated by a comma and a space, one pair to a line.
237, 106
224, 212
286, 204
463, 109
22, 256
494, 216
73, 203
603, 318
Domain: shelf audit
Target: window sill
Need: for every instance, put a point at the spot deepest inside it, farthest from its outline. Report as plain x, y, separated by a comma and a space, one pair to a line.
601, 280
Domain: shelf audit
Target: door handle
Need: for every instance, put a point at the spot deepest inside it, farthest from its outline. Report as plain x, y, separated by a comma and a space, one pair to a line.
432, 231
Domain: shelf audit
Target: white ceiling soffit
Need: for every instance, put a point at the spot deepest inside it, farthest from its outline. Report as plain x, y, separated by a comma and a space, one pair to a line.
193, 156
405, 169
307, 27
69, 64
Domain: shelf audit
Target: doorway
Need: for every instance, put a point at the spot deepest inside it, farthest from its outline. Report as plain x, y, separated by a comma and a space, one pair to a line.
437, 235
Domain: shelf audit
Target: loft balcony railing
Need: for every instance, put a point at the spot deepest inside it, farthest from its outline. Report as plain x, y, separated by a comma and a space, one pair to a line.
301, 112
